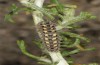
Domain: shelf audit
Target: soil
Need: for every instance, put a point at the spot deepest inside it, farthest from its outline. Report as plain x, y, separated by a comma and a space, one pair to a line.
23, 29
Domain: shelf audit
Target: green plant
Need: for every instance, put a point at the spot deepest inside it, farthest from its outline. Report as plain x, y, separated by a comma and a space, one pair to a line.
64, 16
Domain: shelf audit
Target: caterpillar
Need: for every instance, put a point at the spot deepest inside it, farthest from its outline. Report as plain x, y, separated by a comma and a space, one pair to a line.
49, 36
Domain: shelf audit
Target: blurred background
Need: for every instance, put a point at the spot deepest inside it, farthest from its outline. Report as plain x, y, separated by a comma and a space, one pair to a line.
24, 29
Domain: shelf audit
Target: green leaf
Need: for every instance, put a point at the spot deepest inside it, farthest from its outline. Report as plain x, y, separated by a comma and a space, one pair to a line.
70, 20
90, 49
59, 6
54, 1
38, 43
13, 11
75, 36
66, 53
8, 17
21, 45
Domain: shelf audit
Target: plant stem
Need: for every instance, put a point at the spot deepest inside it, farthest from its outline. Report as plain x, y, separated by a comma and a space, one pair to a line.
37, 17
57, 58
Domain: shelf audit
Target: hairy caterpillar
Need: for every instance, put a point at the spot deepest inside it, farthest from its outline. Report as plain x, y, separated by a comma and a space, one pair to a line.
49, 36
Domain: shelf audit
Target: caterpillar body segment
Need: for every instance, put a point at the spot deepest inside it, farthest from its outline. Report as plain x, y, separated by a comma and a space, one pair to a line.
49, 36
